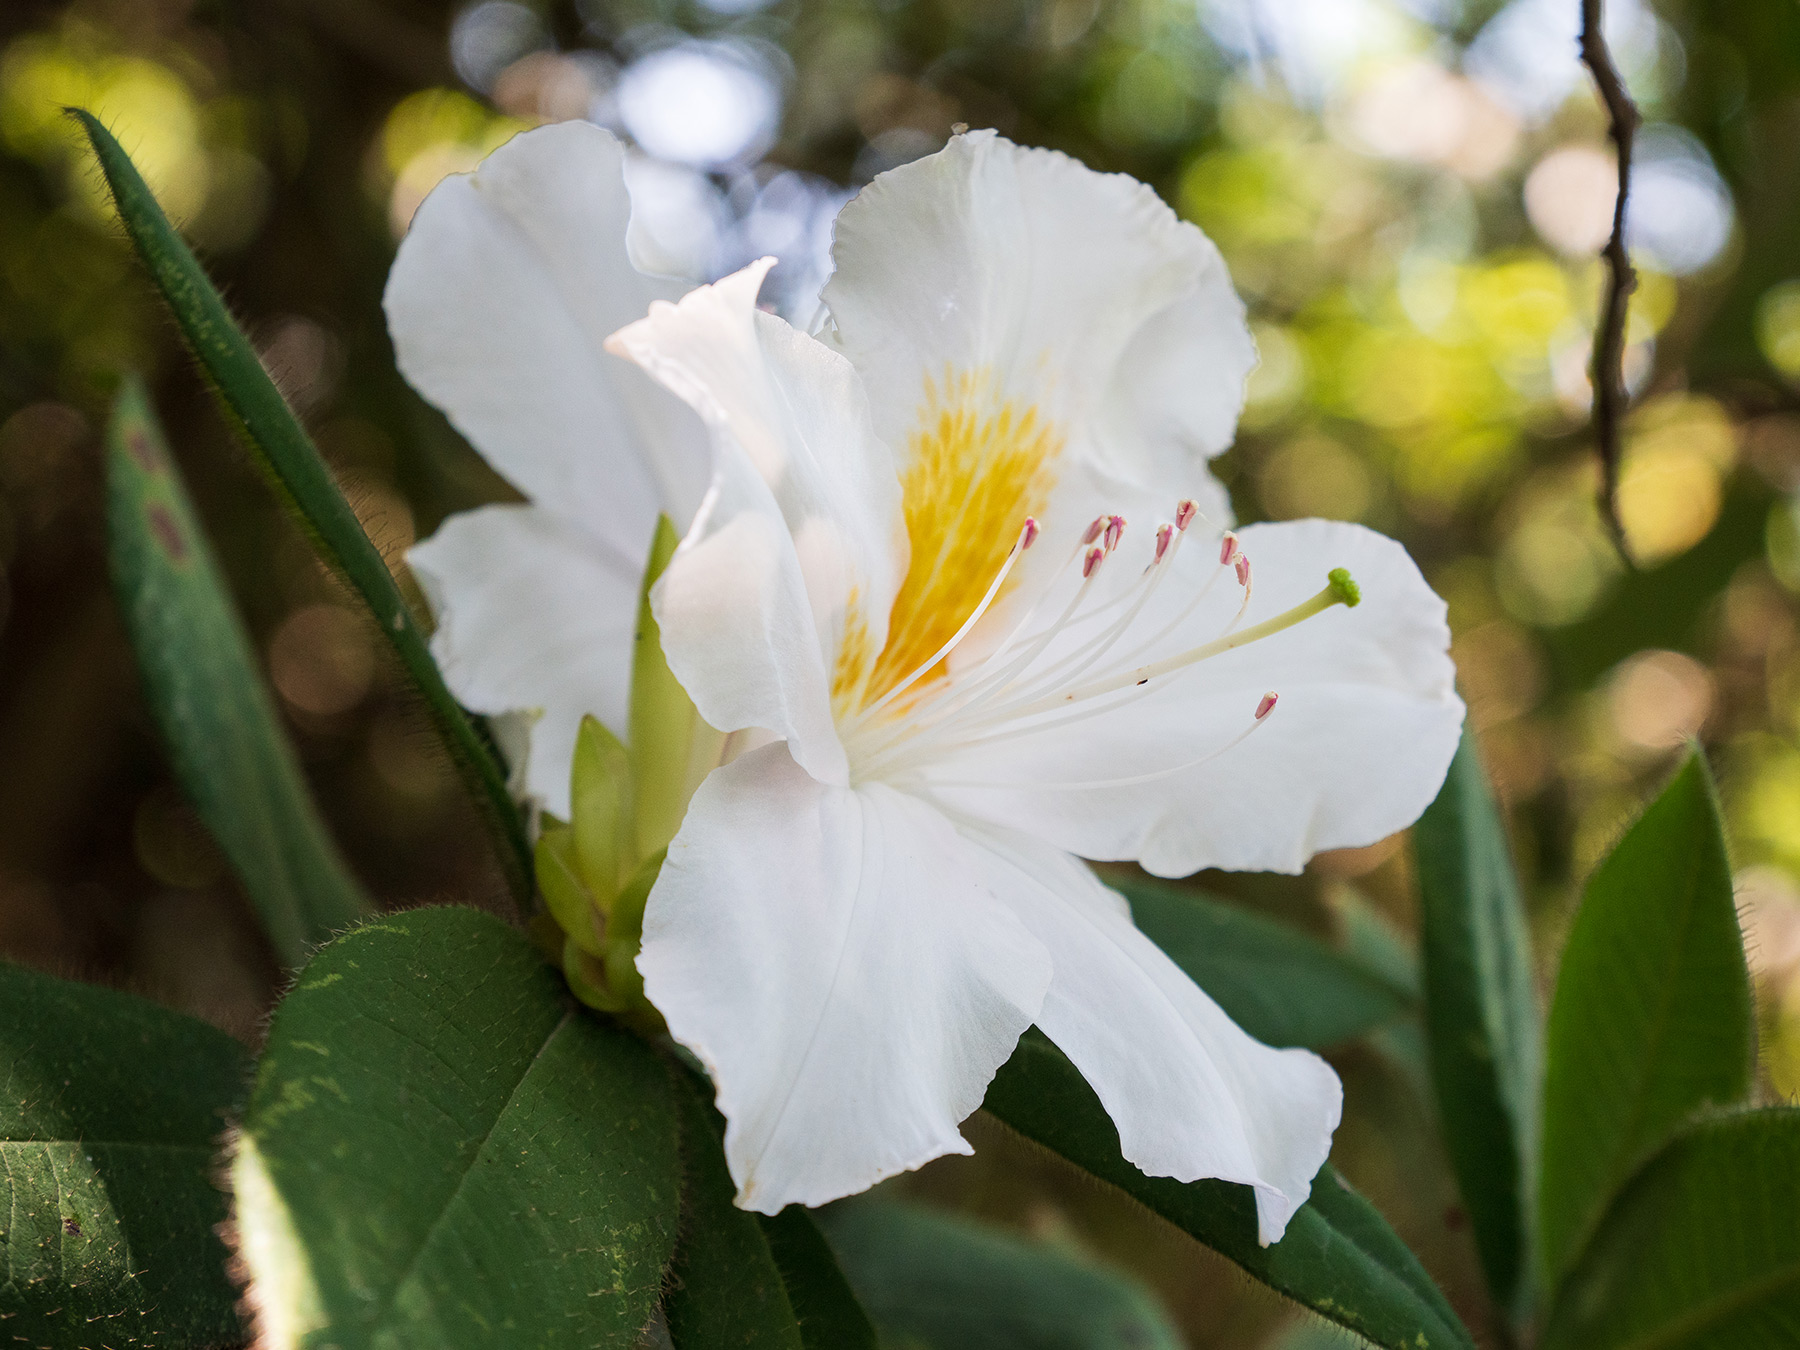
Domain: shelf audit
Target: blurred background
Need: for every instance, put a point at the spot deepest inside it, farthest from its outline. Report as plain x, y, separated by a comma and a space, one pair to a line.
1410, 194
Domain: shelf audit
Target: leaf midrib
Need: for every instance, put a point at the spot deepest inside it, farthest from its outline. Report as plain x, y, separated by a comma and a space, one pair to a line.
411, 1271
1583, 1232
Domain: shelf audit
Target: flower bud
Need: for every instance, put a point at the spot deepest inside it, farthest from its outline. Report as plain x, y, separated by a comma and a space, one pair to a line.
672, 749
566, 896
601, 818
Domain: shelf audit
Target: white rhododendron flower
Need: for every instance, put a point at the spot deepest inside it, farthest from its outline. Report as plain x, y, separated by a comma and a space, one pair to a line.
957, 576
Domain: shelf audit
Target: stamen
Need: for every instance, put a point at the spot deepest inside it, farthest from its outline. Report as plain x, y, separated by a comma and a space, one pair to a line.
1185, 511
1165, 534
1267, 705
1243, 569
1031, 533
1094, 557
1228, 548
1115, 531
1339, 590
1093, 531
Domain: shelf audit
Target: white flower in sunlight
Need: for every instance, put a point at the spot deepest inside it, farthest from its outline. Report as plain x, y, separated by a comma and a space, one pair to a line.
911, 580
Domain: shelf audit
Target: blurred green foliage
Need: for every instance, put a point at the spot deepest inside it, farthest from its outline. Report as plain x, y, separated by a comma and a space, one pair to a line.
1413, 237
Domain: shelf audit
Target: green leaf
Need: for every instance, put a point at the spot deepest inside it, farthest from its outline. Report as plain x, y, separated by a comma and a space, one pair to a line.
1339, 1257
442, 1150
204, 688
1652, 1017
294, 469
1279, 984
933, 1280
831, 1317
729, 1284
1701, 1251
110, 1122
1481, 1020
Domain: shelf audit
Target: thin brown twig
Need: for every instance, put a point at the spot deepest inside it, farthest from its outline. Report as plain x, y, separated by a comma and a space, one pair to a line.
1608, 368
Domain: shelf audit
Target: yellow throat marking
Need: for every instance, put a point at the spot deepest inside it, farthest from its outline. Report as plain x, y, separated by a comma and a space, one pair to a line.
977, 465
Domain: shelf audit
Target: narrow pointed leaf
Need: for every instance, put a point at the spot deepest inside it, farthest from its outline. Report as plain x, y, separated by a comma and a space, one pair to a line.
294, 469
111, 1115
728, 1285
1281, 985
945, 1283
1652, 1019
206, 692
1701, 1250
1339, 1257
1481, 1020
442, 1150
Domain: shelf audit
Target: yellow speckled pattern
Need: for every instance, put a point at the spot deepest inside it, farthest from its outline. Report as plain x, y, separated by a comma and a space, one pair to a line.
977, 465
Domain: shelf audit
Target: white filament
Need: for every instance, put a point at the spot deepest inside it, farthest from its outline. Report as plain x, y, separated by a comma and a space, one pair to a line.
1011, 690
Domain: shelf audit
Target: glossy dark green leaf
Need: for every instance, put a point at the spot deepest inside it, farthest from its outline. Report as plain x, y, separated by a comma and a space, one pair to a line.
1701, 1250
1281, 985
1339, 1257
1481, 1019
728, 1284
111, 1115
294, 469
933, 1280
1652, 1016
443, 1150
206, 692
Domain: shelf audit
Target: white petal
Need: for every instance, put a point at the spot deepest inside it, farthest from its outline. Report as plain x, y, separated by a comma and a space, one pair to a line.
499, 301
850, 988
1192, 1094
533, 615
800, 538
1355, 749
1076, 292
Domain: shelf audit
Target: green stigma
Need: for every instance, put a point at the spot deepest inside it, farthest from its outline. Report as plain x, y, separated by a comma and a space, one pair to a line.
1344, 587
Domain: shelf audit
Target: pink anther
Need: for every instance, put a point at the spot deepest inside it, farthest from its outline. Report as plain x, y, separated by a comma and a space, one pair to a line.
1115, 531
1228, 548
1028, 536
1243, 569
1185, 511
1267, 705
1165, 535
1089, 563
1093, 531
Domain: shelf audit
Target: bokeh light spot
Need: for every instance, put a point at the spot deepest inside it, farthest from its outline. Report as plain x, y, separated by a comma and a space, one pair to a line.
322, 660
1657, 700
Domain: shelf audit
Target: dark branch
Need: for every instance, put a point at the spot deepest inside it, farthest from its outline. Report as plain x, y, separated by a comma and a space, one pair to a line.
1609, 336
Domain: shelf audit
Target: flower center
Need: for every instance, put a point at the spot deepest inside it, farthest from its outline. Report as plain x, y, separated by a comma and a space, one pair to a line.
1065, 661
976, 465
